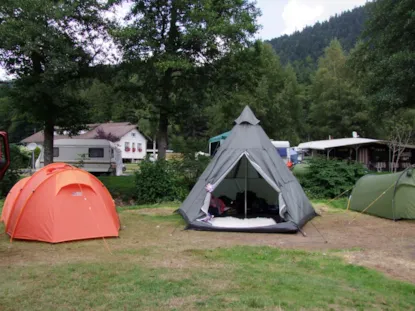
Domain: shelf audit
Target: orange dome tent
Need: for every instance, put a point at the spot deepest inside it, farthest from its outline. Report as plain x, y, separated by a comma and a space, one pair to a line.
60, 203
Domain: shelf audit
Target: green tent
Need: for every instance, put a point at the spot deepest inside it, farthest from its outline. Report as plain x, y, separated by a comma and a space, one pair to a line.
389, 196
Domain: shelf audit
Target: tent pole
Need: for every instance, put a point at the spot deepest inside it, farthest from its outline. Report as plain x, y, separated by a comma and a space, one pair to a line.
246, 186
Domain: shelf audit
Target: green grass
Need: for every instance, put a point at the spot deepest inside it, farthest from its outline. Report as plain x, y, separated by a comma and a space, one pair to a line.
120, 187
340, 203
152, 269
237, 278
131, 167
166, 205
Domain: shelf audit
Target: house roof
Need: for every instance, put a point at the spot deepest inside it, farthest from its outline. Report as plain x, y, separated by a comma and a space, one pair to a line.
118, 129
333, 143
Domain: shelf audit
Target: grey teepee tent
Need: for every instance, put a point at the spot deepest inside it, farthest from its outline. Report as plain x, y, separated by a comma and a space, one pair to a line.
247, 161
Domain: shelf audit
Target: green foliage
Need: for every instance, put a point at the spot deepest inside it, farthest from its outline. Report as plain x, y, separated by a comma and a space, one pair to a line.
168, 181
19, 159
50, 46
174, 38
329, 178
120, 187
385, 59
311, 41
255, 77
159, 181
37, 153
337, 105
190, 169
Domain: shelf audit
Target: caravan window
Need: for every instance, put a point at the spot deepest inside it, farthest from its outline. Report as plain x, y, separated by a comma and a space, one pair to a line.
96, 152
55, 152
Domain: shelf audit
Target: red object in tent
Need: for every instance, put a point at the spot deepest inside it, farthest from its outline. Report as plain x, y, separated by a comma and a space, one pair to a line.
60, 203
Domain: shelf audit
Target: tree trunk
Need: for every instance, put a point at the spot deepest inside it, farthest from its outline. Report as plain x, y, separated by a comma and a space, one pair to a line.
162, 135
48, 142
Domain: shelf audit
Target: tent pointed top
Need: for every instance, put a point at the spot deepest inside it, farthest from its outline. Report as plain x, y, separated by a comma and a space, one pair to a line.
247, 116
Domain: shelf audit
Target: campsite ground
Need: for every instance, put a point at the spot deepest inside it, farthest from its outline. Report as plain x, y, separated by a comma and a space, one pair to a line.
367, 263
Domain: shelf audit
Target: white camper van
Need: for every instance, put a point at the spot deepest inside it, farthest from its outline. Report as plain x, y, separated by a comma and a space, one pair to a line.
97, 156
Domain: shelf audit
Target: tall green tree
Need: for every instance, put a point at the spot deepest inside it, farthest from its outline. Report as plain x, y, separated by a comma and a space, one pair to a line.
385, 58
173, 37
49, 45
337, 105
255, 77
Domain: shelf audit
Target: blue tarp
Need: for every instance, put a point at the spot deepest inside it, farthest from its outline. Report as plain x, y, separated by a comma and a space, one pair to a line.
219, 137
282, 151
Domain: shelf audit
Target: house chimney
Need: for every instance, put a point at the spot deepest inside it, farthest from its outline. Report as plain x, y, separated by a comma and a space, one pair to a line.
354, 134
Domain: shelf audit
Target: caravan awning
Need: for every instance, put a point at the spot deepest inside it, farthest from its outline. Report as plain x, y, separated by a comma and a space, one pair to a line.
219, 137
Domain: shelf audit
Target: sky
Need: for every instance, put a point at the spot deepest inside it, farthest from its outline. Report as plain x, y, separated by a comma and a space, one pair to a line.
280, 17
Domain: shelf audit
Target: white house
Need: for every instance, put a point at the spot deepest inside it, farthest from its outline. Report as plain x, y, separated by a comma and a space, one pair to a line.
124, 134
133, 145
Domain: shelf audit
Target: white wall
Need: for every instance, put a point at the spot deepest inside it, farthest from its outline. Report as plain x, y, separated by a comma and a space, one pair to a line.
136, 138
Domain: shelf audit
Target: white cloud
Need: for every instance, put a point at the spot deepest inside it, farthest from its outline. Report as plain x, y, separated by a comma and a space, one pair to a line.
300, 13
297, 14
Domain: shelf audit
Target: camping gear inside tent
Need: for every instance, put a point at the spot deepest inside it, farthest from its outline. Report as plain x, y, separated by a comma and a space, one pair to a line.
60, 203
248, 176
389, 196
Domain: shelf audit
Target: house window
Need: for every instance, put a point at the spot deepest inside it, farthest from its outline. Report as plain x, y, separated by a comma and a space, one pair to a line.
127, 146
133, 135
133, 146
139, 147
96, 152
55, 152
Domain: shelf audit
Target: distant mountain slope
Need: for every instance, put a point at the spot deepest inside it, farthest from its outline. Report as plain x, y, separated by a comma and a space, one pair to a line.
312, 40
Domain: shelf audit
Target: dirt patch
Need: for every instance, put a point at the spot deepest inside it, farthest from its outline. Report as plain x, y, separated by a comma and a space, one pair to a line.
180, 303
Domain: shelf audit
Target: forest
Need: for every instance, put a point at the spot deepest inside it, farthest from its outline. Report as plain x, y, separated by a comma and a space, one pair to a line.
183, 71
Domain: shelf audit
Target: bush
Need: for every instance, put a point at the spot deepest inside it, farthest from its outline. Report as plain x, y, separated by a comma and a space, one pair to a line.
172, 180
158, 182
329, 178
19, 159
190, 168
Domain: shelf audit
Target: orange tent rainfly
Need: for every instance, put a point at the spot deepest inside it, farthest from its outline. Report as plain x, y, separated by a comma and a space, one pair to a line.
60, 203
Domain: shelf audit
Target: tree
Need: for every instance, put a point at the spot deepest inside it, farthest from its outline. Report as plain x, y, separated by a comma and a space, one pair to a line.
173, 38
337, 105
49, 46
385, 57
400, 128
101, 134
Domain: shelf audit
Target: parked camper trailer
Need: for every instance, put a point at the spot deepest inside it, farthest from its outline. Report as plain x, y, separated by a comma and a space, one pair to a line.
283, 149
97, 156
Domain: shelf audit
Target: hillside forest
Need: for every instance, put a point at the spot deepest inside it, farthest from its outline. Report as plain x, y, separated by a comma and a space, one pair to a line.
183, 70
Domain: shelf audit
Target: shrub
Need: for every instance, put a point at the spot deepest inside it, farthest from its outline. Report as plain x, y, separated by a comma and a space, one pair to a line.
168, 180
19, 159
190, 168
158, 181
329, 178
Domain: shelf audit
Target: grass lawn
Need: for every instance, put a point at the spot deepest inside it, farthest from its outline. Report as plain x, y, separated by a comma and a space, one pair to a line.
154, 265
122, 187
131, 167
